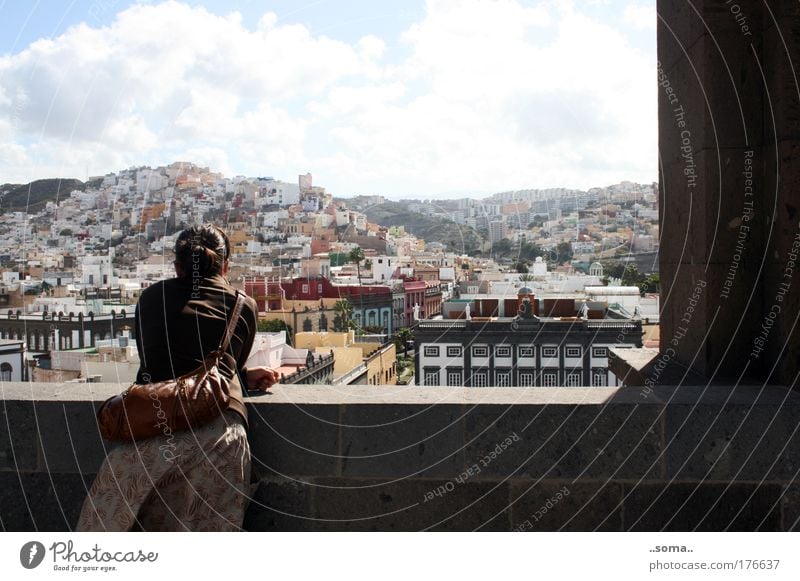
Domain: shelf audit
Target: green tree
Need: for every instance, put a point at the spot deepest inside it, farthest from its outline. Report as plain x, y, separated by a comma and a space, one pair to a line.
529, 251
338, 258
525, 277
343, 319
275, 326
502, 247
631, 276
357, 255
401, 338
563, 252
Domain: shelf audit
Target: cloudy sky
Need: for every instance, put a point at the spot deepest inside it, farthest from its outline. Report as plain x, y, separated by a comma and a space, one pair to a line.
395, 97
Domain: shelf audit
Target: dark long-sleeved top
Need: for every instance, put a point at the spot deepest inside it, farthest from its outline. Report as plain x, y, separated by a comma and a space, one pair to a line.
180, 320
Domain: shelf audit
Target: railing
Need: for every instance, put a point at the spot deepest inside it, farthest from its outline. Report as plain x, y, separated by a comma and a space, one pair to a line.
352, 375
66, 317
308, 372
443, 324
612, 324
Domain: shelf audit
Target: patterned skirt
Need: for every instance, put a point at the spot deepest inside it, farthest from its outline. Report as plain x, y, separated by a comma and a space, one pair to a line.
198, 480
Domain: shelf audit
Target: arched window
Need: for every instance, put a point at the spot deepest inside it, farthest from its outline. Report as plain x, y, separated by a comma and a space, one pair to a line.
5, 371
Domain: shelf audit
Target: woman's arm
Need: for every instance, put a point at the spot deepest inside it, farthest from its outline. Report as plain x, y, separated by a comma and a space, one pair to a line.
256, 378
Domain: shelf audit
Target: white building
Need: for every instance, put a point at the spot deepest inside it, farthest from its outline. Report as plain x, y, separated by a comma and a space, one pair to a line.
12, 360
97, 271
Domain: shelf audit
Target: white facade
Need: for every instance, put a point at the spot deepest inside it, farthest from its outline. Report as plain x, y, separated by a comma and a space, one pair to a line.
97, 271
546, 365
383, 267
271, 350
12, 360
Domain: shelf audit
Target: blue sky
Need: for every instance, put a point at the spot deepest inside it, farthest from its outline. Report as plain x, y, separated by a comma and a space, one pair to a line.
392, 97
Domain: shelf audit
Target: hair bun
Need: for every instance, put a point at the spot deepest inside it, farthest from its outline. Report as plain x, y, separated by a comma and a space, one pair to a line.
202, 250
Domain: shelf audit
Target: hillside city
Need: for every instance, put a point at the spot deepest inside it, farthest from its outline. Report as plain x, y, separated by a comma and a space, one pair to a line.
527, 287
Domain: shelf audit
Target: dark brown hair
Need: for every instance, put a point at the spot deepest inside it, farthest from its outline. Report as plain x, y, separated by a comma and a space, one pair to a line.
202, 250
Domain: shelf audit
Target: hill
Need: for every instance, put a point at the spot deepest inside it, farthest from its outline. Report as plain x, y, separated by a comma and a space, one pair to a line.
455, 237
34, 196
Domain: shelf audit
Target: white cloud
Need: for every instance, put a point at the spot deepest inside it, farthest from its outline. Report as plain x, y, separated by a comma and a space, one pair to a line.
641, 15
487, 95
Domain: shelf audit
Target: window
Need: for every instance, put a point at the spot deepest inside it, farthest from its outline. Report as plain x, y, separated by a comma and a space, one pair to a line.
526, 379
549, 351
454, 351
503, 378
5, 371
454, 378
573, 379
573, 352
480, 379
599, 377
599, 351
431, 351
305, 289
502, 351
431, 377
480, 352
550, 379
526, 351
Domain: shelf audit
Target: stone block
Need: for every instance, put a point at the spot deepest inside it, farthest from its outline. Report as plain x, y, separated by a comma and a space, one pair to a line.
708, 335
679, 28
376, 505
560, 441
779, 359
294, 440
42, 502
704, 223
790, 508
71, 442
280, 506
19, 436
702, 507
402, 441
566, 506
780, 53
732, 442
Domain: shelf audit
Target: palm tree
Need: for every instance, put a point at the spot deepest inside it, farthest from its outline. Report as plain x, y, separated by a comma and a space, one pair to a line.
357, 255
342, 321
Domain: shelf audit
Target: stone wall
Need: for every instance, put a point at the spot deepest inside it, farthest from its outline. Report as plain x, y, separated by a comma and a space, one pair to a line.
390, 458
729, 145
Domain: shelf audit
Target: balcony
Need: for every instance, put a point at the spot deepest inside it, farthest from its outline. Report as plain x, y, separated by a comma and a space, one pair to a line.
409, 458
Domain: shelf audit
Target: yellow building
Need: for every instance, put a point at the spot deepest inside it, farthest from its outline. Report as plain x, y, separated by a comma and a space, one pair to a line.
369, 362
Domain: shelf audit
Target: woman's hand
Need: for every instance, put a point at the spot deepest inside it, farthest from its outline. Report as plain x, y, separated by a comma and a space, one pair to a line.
261, 378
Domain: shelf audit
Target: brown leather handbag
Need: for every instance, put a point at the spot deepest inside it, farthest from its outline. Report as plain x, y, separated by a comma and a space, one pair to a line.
165, 407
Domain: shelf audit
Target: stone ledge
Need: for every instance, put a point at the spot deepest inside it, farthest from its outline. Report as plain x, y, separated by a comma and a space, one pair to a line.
334, 452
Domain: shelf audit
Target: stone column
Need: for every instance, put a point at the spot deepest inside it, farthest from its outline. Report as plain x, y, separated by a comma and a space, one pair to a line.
729, 204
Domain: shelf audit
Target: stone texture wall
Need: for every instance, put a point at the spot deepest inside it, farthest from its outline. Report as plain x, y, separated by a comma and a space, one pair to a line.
383, 458
729, 122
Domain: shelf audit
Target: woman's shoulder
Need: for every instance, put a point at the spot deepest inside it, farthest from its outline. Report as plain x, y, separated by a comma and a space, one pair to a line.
161, 288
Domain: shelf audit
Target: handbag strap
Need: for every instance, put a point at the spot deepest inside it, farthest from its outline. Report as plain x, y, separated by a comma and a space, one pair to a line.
237, 310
